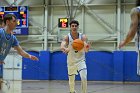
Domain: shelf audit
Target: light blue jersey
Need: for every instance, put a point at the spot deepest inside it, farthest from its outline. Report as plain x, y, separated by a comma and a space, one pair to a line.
6, 42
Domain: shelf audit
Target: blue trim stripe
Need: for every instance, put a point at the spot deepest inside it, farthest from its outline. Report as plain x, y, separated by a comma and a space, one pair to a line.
82, 69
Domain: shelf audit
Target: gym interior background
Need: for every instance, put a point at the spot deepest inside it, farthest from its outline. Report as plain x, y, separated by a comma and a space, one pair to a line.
105, 23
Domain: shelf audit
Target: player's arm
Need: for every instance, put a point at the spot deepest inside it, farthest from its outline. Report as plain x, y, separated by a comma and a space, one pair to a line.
64, 45
86, 45
133, 28
2, 62
20, 51
24, 53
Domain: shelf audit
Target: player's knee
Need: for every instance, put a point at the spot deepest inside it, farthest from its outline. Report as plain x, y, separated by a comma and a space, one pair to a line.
83, 78
83, 75
71, 79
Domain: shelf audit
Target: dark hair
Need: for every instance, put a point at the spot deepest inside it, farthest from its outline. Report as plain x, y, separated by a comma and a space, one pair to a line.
1, 21
8, 17
74, 22
137, 2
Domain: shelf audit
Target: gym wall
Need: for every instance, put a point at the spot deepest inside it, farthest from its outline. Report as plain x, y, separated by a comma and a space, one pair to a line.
102, 66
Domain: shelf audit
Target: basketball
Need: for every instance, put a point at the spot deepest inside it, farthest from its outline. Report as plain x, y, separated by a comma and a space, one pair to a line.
78, 44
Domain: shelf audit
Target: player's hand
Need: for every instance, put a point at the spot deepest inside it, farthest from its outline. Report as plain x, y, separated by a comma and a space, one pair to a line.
33, 58
87, 46
65, 50
121, 44
1, 62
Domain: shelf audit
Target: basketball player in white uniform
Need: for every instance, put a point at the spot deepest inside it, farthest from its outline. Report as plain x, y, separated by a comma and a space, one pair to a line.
134, 30
75, 59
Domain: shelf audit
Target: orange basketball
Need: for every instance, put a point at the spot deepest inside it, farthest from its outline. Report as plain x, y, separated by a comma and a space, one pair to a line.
78, 44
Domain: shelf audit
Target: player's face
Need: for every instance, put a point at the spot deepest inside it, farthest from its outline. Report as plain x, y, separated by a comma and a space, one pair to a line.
74, 27
12, 23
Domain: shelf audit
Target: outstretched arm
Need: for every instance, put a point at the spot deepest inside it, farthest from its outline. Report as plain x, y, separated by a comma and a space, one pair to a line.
24, 54
2, 62
86, 45
64, 45
133, 28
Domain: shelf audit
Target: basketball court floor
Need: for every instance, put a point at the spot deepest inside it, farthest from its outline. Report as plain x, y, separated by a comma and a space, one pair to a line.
62, 87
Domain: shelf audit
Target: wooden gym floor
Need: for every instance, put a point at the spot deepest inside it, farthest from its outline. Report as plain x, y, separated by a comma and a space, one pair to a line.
62, 87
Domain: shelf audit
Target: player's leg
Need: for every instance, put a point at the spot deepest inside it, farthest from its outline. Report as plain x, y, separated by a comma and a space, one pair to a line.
0, 76
72, 83
72, 71
138, 63
83, 74
0, 83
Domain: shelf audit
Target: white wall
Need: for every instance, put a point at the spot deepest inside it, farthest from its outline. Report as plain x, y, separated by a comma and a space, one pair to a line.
97, 18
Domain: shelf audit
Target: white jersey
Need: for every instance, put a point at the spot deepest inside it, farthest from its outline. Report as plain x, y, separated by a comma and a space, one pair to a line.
74, 57
137, 43
137, 39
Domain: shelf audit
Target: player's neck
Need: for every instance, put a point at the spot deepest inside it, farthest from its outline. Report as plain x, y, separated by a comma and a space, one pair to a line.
74, 35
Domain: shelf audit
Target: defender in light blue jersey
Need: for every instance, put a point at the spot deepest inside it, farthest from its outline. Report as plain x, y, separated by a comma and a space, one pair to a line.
134, 30
1, 26
8, 40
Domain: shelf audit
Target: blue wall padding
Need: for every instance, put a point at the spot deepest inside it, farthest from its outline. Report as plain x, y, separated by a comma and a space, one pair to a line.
30, 68
1, 71
58, 66
44, 65
99, 65
118, 61
130, 66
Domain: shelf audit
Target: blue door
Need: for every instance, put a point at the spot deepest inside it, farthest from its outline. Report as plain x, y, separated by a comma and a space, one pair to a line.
1, 70
30, 69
